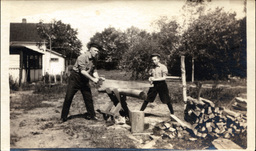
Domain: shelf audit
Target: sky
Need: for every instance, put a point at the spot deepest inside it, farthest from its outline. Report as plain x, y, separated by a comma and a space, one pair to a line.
89, 17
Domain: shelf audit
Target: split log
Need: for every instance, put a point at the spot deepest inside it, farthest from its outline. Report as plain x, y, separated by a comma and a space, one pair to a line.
209, 126
207, 101
227, 135
183, 124
230, 118
231, 113
211, 116
167, 125
209, 110
204, 135
195, 101
172, 129
172, 135
161, 126
217, 110
157, 131
241, 100
203, 129
199, 134
197, 113
203, 111
217, 130
195, 131
150, 144
238, 107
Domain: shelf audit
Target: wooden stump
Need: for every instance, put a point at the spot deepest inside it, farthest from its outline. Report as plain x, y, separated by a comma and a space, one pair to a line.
137, 121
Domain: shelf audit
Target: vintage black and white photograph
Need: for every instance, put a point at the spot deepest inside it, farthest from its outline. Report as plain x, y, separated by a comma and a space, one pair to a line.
128, 75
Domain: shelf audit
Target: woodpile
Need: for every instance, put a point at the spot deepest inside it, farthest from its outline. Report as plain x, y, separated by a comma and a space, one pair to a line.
203, 120
210, 121
170, 130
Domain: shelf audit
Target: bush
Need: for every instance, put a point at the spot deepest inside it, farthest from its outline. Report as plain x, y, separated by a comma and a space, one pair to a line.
220, 96
46, 77
14, 85
58, 78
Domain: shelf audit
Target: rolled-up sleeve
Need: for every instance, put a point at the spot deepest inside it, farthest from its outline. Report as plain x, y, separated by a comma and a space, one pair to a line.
82, 62
164, 70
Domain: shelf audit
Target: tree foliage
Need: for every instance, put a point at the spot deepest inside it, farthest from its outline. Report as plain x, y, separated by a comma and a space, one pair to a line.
114, 44
215, 38
217, 41
132, 48
61, 38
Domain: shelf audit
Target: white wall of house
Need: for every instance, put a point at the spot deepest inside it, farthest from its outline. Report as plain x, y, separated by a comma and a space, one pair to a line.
14, 70
53, 63
14, 66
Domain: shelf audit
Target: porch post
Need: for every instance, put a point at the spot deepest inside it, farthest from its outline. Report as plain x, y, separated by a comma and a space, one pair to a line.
21, 67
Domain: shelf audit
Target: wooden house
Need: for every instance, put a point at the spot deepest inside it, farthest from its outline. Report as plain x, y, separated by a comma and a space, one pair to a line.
29, 61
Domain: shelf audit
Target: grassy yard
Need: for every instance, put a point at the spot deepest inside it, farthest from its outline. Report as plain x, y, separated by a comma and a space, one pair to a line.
44, 103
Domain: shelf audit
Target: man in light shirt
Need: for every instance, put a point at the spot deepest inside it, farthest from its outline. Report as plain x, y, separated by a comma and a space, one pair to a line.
157, 77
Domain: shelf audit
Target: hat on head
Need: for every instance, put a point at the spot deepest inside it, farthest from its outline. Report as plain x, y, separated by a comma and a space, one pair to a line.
94, 45
155, 54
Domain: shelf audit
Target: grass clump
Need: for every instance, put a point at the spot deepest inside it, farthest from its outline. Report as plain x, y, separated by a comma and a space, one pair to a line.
47, 89
28, 102
14, 85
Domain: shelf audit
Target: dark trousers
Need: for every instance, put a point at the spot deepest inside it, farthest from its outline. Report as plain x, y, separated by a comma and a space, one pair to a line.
78, 82
160, 87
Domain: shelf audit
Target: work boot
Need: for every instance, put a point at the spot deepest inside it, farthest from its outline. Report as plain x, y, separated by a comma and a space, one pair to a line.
89, 117
64, 119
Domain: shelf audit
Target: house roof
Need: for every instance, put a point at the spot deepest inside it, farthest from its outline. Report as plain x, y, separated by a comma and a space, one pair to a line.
24, 32
56, 53
30, 47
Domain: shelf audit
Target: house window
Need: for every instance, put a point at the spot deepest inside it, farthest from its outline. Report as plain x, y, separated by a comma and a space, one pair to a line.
33, 61
54, 59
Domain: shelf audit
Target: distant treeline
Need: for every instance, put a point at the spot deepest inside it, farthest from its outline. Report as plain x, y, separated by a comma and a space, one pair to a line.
214, 39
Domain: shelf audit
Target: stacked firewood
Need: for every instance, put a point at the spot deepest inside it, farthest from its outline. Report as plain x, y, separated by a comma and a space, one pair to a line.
210, 121
171, 129
204, 120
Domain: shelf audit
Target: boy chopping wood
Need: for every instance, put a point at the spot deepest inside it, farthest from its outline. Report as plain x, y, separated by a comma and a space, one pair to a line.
157, 77
82, 72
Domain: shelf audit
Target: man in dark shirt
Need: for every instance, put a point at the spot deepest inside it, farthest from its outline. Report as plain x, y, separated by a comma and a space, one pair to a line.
83, 72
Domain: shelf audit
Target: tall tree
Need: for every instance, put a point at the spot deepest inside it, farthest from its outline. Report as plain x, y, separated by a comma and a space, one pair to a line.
114, 44
137, 58
61, 38
214, 39
192, 10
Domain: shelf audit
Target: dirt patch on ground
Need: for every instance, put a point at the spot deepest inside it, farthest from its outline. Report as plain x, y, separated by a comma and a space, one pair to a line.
42, 128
